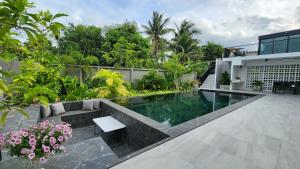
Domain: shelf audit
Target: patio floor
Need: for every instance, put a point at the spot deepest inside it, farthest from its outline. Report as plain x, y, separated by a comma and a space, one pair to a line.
264, 134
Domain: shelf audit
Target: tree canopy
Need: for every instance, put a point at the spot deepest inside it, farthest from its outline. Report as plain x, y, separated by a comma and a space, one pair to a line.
212, 51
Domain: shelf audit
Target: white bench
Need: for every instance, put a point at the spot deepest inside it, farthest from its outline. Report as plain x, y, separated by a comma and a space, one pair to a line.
108, 124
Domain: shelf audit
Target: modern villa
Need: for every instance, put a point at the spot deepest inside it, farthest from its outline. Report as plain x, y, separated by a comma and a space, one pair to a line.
277, 59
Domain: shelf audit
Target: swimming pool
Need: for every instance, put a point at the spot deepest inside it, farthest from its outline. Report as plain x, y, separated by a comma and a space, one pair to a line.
176, 108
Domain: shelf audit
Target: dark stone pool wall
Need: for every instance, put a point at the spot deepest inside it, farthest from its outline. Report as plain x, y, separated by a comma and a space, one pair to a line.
138, 134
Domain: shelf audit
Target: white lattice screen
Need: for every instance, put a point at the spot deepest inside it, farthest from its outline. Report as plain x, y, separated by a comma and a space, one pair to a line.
269, 73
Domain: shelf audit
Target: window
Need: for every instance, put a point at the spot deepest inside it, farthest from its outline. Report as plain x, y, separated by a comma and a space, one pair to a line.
266, 46
280, 45
294, 43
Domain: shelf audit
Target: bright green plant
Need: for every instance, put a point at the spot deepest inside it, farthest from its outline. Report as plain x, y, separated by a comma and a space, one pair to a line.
111, 84
151, 81
80, 93
15, 15
69, 84
175, 70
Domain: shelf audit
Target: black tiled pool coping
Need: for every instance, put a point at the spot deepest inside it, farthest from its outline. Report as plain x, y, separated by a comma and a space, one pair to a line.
180, 129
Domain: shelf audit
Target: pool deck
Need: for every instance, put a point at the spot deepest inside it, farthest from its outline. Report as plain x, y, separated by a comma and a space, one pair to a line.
263, 134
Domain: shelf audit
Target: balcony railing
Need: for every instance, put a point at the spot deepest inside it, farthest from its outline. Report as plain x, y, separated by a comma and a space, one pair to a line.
266, 46
241, 50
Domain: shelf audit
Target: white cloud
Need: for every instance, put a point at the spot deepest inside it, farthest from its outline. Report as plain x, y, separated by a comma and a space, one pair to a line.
230, 22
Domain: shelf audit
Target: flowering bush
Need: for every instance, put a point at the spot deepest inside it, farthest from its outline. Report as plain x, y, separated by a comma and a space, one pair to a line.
39, 141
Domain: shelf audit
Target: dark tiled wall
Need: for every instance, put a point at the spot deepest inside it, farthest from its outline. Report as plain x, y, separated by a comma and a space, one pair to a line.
137, 133
82, 120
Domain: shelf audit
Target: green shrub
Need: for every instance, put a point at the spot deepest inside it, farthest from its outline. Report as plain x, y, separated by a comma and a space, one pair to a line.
225, 78
151, 81
187, 85
80, 93
110, 84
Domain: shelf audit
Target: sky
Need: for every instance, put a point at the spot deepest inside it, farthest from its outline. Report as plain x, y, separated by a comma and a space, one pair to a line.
228, 22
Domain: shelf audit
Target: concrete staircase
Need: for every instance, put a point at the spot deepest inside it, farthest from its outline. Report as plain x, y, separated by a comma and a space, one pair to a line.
209, 82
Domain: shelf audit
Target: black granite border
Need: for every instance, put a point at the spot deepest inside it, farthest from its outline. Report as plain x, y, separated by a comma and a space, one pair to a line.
180, 129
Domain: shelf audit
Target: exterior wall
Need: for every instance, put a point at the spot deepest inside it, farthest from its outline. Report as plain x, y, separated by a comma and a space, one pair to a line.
129, 74
221, 67
272, 70
218, 71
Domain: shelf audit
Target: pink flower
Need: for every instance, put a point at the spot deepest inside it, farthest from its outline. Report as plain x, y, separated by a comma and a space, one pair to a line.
46, 149
24, 151
25, 134
32, 142
31, 156
14, 136
51, 133
52, 140
1, 140
60, 138
55, 146
18, 141
32, 147
43, 160
32, 136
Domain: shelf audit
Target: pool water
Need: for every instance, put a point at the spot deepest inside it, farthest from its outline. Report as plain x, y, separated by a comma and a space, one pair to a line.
176, 108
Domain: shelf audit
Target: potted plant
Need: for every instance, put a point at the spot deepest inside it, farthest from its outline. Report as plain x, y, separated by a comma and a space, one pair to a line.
257, 85
225, 81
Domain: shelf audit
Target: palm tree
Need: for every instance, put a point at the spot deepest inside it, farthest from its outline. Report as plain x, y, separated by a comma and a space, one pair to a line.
155, 30
184, 42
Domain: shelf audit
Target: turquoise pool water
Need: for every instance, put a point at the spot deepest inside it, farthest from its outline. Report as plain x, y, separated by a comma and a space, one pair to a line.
176, 108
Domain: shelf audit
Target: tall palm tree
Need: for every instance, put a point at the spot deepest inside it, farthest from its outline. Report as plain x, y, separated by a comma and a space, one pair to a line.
184, 42
155, 30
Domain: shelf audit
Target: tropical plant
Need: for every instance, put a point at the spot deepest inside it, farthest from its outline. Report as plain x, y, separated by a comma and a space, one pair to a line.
184, 42
225, 78
155, 30
175, 70
111, 84
40, 94
151, 81
69, 84
80, 93
39, 142
15, 15
212, 51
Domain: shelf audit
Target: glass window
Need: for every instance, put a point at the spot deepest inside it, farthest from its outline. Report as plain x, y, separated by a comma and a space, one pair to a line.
266, 46
280, 45
294, 43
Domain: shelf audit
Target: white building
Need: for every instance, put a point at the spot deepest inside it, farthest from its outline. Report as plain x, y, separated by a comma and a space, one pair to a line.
277, 59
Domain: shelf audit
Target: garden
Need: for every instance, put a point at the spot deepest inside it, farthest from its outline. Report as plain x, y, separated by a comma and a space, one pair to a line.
45, 48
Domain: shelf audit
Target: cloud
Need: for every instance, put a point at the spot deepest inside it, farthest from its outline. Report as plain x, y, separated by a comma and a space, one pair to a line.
229, 22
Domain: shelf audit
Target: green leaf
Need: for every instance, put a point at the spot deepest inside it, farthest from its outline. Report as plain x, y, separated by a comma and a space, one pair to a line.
58, 15
29, 35
23, 112
3, 118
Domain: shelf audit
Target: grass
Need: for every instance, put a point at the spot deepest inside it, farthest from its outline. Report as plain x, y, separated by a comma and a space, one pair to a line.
148, 93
